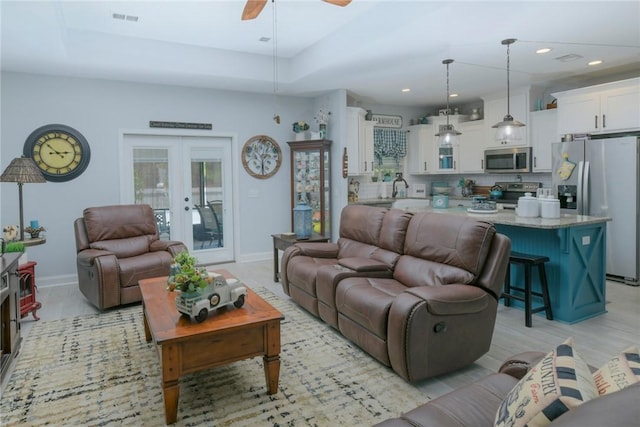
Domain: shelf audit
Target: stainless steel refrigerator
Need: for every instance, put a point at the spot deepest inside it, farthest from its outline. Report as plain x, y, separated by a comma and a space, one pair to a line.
600, 177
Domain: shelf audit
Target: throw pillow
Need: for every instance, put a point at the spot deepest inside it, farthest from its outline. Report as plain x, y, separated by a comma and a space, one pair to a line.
619, 372
559, 382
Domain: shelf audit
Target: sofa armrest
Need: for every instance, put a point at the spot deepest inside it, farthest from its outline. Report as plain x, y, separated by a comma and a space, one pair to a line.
98, 277
318, 249
362, 265
518, 365
451, 299
174, 247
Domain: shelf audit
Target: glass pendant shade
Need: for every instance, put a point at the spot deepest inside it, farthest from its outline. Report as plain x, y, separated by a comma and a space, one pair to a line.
448, 135
508, 130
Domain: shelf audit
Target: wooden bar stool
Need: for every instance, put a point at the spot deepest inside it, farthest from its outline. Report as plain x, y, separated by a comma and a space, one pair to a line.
528, 261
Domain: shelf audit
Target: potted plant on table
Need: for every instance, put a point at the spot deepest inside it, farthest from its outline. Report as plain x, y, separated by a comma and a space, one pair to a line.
185, 276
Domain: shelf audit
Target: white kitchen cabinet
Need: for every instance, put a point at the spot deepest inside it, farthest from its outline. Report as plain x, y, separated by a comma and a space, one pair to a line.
421, 158
447, 158
496, 108
544, 132
359, 142
609, 107
472, 144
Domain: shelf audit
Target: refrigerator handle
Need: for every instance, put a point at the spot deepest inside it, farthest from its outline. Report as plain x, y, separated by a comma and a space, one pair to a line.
585, 190
579, 192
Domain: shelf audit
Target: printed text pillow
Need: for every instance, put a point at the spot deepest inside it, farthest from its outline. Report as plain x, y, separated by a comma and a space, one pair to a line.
560, 382
619, 372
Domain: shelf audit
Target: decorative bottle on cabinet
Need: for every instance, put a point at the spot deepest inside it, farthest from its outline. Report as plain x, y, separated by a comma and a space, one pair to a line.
311, 181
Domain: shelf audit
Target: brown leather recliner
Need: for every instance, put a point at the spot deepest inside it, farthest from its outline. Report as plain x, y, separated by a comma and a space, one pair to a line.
371, 240
476, 404
116, 247
408, 289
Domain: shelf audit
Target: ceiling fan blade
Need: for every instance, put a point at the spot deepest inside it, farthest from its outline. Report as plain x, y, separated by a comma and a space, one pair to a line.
252, 9
341, 3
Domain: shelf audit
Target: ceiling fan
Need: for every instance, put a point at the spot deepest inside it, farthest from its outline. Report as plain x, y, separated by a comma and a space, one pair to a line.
253, 7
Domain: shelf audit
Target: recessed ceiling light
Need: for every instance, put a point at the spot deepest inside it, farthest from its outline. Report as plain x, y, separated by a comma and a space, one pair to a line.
544, 50
596, 62
406, 89
453, 95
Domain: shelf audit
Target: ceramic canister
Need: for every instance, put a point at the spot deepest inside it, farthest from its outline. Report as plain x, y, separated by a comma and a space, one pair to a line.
440, 201
549, 208
528, 206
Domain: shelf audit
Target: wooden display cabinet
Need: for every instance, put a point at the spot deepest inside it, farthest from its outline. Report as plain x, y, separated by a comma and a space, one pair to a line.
311, 181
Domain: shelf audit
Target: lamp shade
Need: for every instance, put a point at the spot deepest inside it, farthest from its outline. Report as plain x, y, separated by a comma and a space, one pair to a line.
447, 136
508, 129
22, 170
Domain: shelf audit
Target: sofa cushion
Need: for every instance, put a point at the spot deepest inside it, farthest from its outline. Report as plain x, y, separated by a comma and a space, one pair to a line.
362, 223
119, 222
363, 264
145, 266
619, 372
414, 271
366, 301
124, 248
560, 382
447, 239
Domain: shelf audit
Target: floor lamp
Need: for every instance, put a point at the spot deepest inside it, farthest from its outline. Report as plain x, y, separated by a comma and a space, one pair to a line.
22, 170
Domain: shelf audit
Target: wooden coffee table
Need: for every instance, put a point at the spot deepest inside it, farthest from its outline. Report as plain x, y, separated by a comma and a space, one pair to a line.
228, 335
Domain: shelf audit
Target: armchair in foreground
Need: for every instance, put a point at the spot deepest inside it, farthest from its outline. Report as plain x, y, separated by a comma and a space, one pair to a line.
116, 247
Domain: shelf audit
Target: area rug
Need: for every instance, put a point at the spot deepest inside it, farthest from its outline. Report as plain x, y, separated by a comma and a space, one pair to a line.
99, 370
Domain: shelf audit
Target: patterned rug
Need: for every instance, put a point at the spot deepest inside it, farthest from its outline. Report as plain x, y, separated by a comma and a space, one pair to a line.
99, 370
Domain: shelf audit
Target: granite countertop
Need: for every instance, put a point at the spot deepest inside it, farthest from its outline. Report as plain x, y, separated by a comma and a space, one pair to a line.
509, 217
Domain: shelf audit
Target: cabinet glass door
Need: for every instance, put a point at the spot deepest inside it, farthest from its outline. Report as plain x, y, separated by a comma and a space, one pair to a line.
445, 158
310, 173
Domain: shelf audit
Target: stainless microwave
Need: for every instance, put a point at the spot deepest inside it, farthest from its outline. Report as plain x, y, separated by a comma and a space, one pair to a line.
507, 160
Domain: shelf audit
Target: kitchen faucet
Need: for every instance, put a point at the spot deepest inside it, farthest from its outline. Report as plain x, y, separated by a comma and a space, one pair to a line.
395, 181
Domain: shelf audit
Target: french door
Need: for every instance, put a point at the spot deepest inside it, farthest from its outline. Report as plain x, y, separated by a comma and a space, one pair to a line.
187, 180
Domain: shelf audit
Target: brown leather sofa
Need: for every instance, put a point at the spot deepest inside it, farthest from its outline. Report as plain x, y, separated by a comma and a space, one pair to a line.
418, 292
477, 404
116, 247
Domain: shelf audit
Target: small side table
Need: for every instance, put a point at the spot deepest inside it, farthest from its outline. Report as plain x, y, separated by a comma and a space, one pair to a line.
28, 303
281, 242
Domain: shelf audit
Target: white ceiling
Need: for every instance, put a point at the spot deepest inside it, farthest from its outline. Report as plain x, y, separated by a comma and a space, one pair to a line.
372, 48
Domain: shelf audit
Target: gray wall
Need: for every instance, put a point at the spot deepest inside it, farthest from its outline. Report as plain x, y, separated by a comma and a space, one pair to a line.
100, 109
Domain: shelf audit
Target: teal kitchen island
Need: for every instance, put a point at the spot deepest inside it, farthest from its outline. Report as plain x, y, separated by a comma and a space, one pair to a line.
576, 247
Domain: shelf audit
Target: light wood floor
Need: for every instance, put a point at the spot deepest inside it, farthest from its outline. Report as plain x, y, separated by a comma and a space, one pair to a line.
597, 339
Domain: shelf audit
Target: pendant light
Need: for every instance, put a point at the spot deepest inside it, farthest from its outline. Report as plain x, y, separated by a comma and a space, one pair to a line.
447, 134
508, 130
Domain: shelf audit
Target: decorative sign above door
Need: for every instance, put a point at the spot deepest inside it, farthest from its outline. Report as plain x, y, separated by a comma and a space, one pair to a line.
386, 121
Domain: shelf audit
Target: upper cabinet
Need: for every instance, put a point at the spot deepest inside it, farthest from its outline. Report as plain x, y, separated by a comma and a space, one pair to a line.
359, 142
420, 150
496, 108
544, 132
610, 107
472, 144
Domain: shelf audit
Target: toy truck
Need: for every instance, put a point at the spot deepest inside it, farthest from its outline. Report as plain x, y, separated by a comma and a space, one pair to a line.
219, 292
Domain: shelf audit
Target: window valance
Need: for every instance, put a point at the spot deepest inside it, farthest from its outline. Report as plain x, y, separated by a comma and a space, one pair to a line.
389, 143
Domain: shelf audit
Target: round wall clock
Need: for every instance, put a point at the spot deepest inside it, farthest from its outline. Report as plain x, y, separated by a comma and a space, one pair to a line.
261, 156
60, 152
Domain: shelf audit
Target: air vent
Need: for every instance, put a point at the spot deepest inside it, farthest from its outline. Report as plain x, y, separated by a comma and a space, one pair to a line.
568, 58
123, 17
264, 39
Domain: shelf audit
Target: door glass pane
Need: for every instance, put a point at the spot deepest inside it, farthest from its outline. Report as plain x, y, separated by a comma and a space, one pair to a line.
207, 195
151, 185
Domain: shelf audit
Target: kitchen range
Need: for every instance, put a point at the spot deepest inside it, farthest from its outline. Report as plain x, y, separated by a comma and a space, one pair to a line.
599, 177
512, 191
